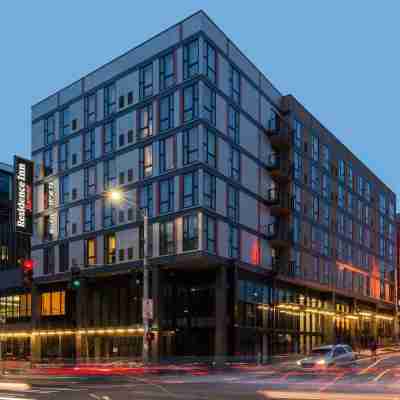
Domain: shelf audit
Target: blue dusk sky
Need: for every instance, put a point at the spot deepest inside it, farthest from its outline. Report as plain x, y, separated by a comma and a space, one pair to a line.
339, 58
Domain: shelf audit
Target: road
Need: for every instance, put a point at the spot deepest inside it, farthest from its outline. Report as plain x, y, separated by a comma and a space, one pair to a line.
368, 380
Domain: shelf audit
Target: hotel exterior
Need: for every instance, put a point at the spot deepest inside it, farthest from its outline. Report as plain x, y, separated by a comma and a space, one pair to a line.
266, 234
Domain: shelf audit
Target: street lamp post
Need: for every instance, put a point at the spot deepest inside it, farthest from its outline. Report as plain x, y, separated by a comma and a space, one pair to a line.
117, 196
146, 324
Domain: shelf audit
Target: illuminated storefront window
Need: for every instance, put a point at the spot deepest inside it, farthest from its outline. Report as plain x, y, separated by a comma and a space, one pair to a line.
17, 306
53, 303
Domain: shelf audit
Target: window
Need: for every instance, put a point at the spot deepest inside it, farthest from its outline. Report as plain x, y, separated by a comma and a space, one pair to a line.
89, 217
326, 214
110, 100
209, 234
49, 130
48, 162
109, 138
233, 204
167, 75
167, 154
234, 164
325, 156
146, 199
90, 181
48, 261
210, 149
65, 122
315, 184
110, 174
191, 59
209, 105
234, 243
64, 189
190, 189
63, 221
63, 157
210, 62
233, 124
190, 232
350, 177
109, 213
3, 254
110, 245
48, 227
391, 209
315, 147
382, 203
167, 112
341, 196
146, 81
349, 226
89, 143
209, 190
340, 223
167, 195
90, 252
341, 170
63, 250
146, 161
360, 185
297, 166
234, 84
367, 190
326, 186
190, 146
90, 109
145, 121
297, 197
315, 204
167, 243
52, 303
298, 133
296, 228
350, 202
190, 102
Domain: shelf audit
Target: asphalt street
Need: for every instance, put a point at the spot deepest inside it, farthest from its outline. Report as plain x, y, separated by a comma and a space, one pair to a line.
371, 379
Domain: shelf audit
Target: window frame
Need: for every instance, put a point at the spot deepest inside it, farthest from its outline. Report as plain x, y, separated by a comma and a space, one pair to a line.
146, 88
187, 148
167, 80
191, 111
191, 198
190, 237
191, 67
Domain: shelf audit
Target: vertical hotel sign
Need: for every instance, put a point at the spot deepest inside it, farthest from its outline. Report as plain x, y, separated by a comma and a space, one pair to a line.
23, 195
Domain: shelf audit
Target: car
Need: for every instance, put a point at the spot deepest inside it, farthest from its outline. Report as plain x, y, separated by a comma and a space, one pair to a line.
328, 356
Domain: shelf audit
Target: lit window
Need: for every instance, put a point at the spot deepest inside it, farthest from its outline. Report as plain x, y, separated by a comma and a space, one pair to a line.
53, 303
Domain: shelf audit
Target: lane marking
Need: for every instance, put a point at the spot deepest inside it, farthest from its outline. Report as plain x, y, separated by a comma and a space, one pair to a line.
275, 395
365, 370
376, 379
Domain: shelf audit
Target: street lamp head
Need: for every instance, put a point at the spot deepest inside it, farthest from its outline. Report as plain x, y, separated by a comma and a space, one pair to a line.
115, 195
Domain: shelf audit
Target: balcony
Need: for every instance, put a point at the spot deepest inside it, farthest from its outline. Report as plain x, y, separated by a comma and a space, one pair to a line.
281, 203
278, 168
277, 234
279, 133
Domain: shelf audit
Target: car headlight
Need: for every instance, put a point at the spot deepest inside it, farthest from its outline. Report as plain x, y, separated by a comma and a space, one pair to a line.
321, 362
298, 362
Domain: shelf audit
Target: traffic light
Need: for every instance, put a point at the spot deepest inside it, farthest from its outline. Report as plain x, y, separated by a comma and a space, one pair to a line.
75, 278
27, 268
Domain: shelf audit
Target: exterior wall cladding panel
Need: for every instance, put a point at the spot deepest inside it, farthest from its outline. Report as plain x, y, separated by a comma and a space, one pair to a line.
253, 204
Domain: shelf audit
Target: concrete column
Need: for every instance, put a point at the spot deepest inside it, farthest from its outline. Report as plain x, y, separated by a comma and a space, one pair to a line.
36, 353
233, 309
220, 316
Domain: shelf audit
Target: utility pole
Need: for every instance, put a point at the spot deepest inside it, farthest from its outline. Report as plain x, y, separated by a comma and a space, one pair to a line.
145, 287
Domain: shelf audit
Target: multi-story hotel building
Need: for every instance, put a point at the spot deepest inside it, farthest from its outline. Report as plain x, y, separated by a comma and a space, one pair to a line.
267, 235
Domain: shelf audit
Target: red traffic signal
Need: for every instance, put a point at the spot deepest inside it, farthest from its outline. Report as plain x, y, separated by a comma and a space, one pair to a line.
28, 265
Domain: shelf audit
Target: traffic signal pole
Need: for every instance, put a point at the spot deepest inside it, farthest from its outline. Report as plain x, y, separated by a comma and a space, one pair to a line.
146, 293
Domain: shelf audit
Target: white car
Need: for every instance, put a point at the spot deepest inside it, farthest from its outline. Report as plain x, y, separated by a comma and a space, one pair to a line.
327, 356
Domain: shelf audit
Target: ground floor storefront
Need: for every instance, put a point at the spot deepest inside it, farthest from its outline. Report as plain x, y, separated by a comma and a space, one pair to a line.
212, 314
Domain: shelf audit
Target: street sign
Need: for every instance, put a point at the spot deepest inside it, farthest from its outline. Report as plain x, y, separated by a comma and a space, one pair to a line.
148, 309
